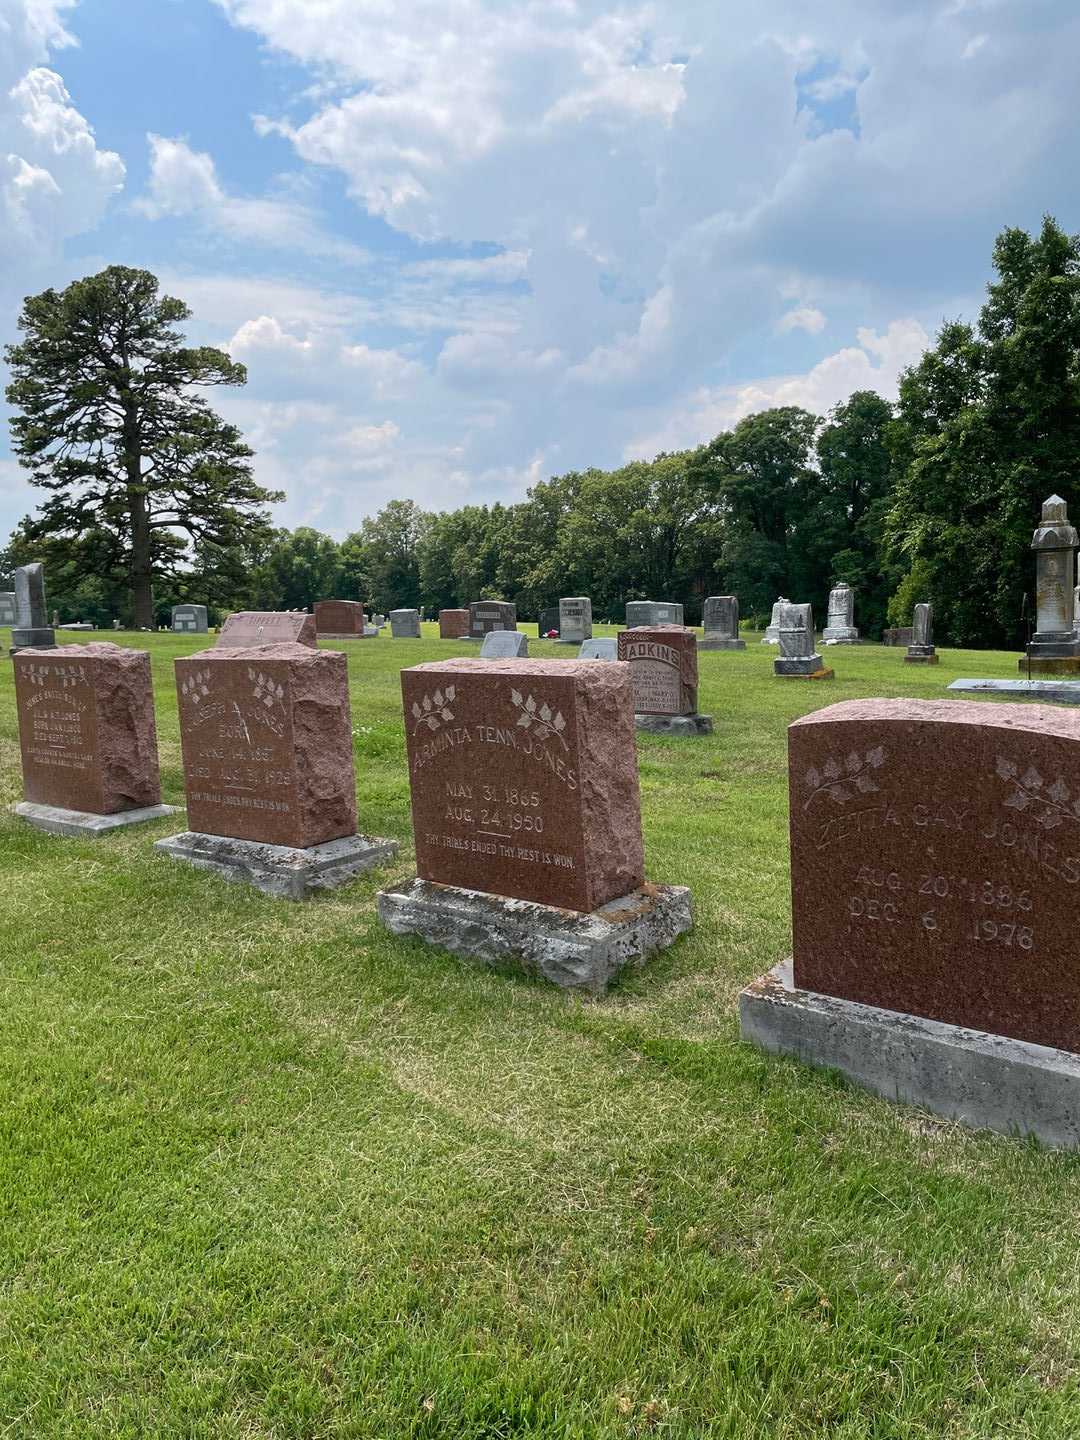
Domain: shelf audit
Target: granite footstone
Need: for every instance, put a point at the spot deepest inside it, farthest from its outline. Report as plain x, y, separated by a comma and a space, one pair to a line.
601, 647
84, 824
246, 628
1057, 692
504, 645
285, 872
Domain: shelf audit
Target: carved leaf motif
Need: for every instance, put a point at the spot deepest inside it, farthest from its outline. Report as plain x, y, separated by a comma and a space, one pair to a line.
416, 710
525, 719
831, 770
876, 758
515, 698
839, 794
545, 712
1018, 800
854, 762
559, 722
437, 697
530, 705
1031, 779
865, 784
447, 714
450, 692
427, 702
1050, 819
1005, 768
812, 778
1059, 792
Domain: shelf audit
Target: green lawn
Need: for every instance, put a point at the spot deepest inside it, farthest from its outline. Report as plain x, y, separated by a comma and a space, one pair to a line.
269, 1171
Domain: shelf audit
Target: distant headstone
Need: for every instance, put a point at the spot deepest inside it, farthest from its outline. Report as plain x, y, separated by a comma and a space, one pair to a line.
454, 624
772, 630
602, 647
504, 645
1055, 646
720, 620
32, 626
840, 622
935, 860
488, 615
266, 627
405, 624
797, 654
527, 820
652, 612
189, 619
921, 650
664, 677
266, 736
9, 613
575, 619
341, 618
548, 621
903, 635
87, 738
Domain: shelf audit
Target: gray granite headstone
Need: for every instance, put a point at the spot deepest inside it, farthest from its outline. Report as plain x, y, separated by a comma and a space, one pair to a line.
720, 619
652, 612
488, 615
772, 630
405, 624
840, 622
189, 619
797, 655
548, 621
505, 645
575, 619
32, 626
921, 648
9, 613
604, 647
1055, 545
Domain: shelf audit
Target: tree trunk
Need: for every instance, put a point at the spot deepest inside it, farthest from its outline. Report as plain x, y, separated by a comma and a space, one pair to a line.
142, 580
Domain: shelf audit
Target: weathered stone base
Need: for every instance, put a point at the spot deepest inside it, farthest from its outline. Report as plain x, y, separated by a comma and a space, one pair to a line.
574, 951
82, 824
1050, 664
986, 1081
717, 642
821, 673
674, 724
41, 637
920, 659
284, 871
841, 637
1064, 692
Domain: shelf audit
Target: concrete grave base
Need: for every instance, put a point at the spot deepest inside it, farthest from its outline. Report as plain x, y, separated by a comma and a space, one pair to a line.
822, 673
920, 659
674, 724
574, 951
1050, 664
284, 871
711, 642
986, 1081
82, 824
1063, 692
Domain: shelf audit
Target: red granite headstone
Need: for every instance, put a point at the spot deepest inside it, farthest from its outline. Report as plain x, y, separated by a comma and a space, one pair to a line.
339, 617
524, 778
86, 728
267, 743
454, 624
663, 668
266, 627
935, 862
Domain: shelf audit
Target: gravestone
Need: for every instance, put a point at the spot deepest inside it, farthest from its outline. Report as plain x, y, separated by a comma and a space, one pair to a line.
488, 615
527, 819
935, 869
266, 736
840, 621
772, 630
1054, 649
575, 620
8, 610
798, 658
652, 612
32, 626
548, 621
340, 619
189, 619
405, 624
87, 738
664, 679
454, 624
504, 645
720, 620
602, 647
904, 635
921, 650
266, 627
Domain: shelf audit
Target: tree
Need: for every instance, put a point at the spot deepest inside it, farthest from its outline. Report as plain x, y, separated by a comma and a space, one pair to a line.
302, 566
989, 426
109, 421
380, 561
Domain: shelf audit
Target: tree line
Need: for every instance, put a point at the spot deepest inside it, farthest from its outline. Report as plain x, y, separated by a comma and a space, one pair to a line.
933, 497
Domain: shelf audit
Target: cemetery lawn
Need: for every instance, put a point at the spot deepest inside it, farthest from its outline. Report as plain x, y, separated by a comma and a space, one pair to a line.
268, 1171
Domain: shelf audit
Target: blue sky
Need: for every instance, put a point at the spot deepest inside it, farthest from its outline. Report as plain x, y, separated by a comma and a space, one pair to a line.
462, 245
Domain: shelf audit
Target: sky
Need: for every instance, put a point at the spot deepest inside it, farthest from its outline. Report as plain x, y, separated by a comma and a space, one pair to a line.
463, 245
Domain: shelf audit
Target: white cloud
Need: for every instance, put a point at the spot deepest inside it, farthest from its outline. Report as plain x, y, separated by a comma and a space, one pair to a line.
184, 181
803, 317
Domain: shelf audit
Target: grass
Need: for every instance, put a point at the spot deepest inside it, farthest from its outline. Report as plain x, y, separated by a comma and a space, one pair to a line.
268, 1171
